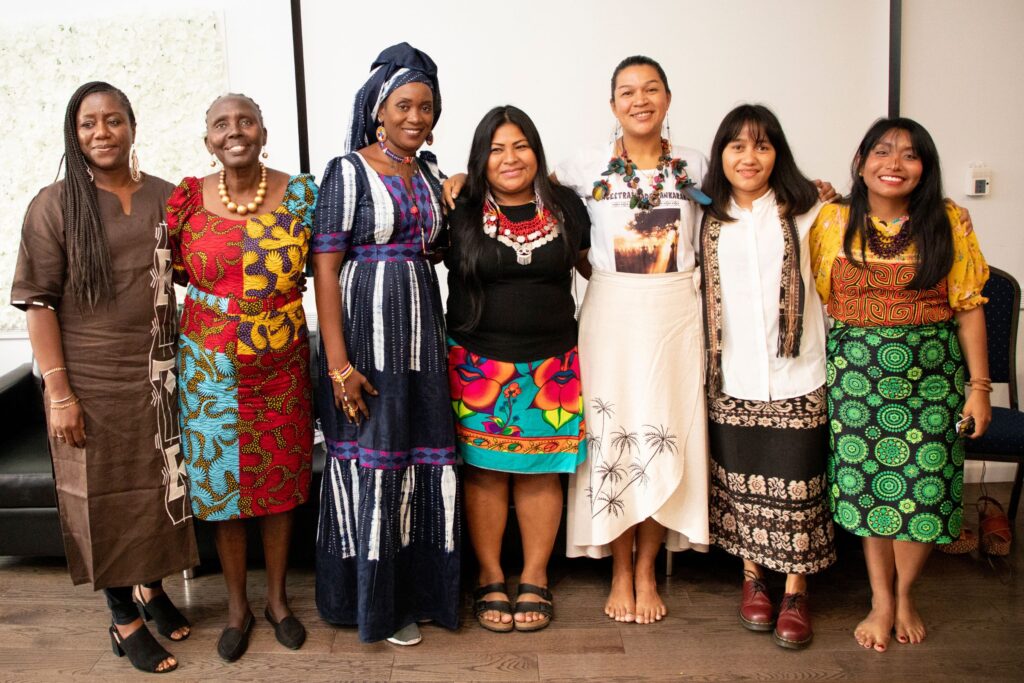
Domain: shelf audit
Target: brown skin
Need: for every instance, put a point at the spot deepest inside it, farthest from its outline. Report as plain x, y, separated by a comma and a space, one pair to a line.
105, 135
408, 117
235, 134
891, 172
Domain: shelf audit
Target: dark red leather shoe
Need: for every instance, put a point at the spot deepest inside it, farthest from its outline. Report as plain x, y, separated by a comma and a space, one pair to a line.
793, 628
756, 611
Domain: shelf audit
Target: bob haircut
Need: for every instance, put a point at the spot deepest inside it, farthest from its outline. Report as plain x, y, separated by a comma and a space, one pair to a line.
793, 191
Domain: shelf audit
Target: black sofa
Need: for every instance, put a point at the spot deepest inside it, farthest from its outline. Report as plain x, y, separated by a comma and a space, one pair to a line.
29, 523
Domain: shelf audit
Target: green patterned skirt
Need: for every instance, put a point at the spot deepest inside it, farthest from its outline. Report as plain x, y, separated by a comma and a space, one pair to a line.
896, 468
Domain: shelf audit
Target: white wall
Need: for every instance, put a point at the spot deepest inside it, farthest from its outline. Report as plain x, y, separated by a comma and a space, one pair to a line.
961, 81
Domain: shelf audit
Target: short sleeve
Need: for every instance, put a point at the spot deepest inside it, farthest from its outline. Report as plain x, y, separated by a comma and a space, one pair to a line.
825, 238
336, 207
571, 173
969, 273
42, 258
300, 199
182, 203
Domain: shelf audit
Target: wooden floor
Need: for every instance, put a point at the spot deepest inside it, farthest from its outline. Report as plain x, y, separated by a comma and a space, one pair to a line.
50, 631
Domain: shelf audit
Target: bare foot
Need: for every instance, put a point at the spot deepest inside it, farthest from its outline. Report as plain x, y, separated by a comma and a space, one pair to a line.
876, 629
649, 606
908, 623
621, 605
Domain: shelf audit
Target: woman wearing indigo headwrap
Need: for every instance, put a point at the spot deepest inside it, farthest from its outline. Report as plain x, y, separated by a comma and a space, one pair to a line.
388, 538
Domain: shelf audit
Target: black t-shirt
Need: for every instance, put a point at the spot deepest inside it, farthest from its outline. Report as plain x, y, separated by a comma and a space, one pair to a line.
528, 311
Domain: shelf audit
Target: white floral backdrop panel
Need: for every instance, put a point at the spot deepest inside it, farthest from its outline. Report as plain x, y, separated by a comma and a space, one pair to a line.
170, 66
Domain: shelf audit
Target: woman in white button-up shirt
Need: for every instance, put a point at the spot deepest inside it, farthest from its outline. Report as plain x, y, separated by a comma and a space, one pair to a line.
766, 370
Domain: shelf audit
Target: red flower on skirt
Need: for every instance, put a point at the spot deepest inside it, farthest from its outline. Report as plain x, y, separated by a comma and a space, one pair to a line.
477, 381
558, 384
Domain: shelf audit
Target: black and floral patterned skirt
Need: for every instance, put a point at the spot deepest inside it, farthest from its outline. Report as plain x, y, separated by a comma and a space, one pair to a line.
768, 489
897, 465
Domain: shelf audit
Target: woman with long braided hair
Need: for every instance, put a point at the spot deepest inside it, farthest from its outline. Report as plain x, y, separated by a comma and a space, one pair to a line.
94, 276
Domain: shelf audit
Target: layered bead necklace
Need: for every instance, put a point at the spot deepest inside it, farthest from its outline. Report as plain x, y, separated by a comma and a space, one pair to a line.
889, 246
522, 236
629, 171
242, 209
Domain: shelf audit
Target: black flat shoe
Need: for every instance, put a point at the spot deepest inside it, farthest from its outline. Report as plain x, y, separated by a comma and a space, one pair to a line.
161, 610
289, 631
143, 651
233, 641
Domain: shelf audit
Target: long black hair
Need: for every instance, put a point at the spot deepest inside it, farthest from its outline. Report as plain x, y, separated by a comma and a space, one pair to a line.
928, 222
793, 191
467, 225
639, 60
89, 265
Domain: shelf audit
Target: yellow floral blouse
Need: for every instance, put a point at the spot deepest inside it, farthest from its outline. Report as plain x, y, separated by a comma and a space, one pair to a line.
886, 278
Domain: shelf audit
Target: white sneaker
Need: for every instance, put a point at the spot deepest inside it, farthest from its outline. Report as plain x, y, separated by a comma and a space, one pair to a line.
407, 635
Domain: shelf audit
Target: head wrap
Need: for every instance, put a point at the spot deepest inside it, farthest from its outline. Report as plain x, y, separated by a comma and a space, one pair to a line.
396, 66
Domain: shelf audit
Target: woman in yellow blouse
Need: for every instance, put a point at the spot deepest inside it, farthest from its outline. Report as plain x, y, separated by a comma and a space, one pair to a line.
902, 278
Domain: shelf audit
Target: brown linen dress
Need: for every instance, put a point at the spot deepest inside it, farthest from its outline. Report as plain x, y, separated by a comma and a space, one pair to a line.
123, 499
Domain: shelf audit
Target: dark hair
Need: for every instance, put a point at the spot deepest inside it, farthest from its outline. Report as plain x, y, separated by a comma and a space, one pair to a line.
259, 112
639, 60
928, 222
793, 190
466, 223
89, 265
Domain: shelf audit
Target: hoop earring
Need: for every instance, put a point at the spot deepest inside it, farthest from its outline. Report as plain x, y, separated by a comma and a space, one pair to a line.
264, 154
382, 134
430, 138
213, 161
133, 166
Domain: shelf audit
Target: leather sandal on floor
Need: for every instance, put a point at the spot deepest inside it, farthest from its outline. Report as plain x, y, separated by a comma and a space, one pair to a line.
233, 642
545, 609
161, 610
996, 535
965, 544
143, 651
503, 606
289, 631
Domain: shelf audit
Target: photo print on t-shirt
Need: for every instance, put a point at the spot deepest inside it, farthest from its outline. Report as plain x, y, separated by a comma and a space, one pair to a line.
649, 243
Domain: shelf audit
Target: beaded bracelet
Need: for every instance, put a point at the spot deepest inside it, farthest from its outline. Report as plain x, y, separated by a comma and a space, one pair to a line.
53, 371
64, 406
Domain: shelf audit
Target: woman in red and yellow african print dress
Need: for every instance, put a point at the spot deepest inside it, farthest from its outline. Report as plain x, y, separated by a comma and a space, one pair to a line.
243, 359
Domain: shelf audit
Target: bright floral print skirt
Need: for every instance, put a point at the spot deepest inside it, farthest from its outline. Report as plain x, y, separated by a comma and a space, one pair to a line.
896, 468
517, 417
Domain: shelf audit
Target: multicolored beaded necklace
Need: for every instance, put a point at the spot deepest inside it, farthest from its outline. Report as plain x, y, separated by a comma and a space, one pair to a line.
641, 200
888, 246
394, 157
522, 236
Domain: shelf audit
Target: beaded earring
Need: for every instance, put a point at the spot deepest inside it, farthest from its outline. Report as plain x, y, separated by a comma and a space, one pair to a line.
382, 134
265, 154
213, 161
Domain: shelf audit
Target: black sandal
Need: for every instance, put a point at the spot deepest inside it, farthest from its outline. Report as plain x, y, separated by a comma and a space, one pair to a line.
161, 610
503, 606
143, 651
545, 609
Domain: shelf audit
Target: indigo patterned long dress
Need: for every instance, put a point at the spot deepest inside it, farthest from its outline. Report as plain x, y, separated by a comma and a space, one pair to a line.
243, 355
388, 538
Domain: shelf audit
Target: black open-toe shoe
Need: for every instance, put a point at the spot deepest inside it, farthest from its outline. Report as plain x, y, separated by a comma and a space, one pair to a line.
161, 610
233, 642
501, 606
545, 609
143, 651
289, 631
